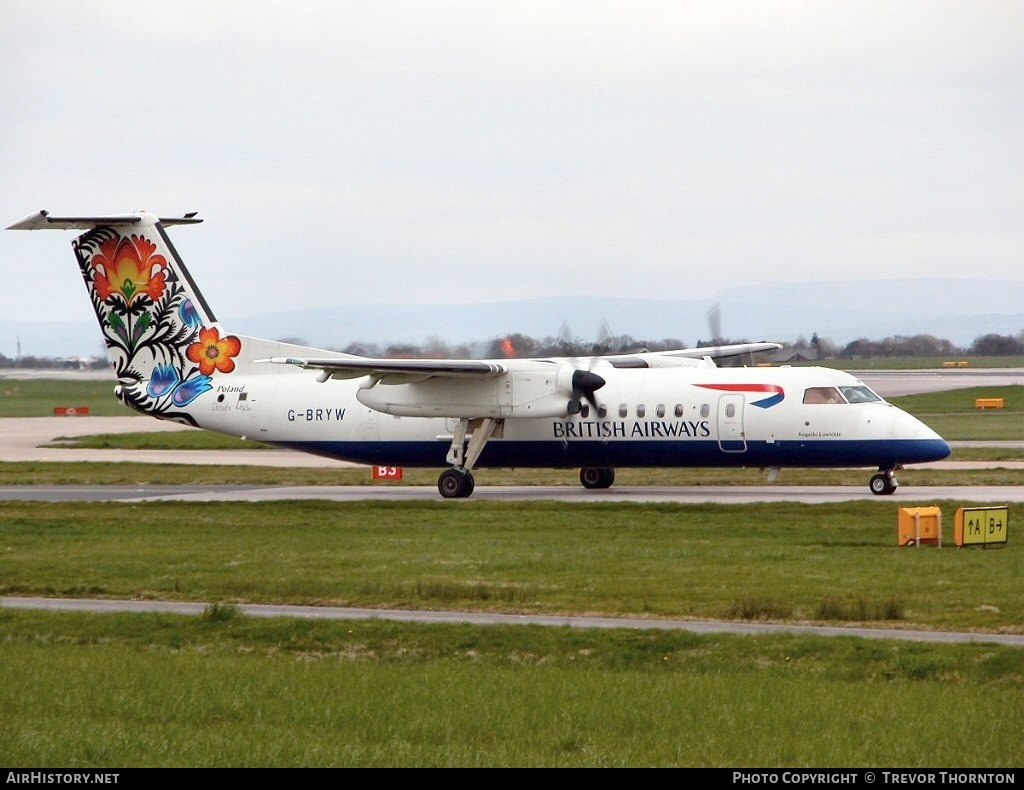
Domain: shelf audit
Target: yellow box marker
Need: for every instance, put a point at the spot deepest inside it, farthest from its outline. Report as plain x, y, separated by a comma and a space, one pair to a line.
918, 525
982, 526
989, 403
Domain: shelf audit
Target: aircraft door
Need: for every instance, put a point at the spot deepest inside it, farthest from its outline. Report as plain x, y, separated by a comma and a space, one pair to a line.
731, 438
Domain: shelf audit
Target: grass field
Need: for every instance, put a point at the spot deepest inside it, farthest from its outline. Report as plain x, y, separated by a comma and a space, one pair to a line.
918, 363
786, 562
85, 690
39, 397
229, 690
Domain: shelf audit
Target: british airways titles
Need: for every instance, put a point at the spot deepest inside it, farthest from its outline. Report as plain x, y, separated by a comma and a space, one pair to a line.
620, 429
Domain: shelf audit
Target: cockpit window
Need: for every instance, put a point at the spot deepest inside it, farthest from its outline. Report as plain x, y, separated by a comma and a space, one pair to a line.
860, 394
822, 395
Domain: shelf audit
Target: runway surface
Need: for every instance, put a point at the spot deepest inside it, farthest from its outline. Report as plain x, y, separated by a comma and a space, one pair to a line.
564, 621
905, 496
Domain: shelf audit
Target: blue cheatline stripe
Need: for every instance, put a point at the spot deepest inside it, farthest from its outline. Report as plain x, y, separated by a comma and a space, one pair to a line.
554, 454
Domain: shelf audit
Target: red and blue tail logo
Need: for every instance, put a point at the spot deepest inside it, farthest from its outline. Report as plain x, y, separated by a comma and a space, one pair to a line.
765, 403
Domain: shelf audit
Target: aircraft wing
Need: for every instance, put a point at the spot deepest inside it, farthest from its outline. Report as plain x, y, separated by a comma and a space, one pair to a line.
354, 367
411, 370
686, 356
721, 352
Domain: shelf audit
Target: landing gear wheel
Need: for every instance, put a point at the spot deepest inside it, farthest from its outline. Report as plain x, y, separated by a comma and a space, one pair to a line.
597, 476
455, 484
883, 484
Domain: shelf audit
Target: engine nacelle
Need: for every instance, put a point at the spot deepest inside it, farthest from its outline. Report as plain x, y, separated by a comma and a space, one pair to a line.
539, 390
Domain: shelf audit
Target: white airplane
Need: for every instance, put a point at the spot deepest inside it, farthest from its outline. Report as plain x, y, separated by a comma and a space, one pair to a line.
173, 360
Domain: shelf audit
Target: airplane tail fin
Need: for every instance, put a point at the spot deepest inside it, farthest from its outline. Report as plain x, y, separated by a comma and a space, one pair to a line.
165, 344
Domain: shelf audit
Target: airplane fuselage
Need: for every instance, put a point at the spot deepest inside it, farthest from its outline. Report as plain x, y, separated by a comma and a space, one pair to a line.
644, 418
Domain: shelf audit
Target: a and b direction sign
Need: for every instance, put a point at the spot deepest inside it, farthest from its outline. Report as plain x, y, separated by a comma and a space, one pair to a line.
981, 526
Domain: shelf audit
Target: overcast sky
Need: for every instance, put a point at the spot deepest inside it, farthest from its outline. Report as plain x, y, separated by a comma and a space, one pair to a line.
451, 152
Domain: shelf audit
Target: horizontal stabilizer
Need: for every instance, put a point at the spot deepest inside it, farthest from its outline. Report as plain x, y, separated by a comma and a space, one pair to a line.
42, 220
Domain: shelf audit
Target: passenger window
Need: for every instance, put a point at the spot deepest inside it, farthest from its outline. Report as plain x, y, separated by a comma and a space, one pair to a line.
623, 410
705, 410
730, 410
602, 411
641, 410
822, 395
679, 410
660, 410
584, 411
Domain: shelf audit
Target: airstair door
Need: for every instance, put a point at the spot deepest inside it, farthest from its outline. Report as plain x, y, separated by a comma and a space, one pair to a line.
731, 438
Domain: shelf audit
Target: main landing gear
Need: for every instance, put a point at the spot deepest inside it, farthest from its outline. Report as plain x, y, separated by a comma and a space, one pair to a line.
597, 476
467, 444
884, 483
456, 483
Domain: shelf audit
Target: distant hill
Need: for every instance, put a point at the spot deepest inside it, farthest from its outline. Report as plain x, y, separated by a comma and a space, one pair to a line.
954, 310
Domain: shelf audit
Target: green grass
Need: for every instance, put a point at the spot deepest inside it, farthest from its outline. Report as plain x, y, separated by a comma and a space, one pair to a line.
39, 397
961, 402
954, 416
987, 454
991, 426
785, 561
916, 363
87, 690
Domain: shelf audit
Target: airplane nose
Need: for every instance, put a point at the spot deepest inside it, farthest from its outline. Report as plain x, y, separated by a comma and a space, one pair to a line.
927, 444
906, 427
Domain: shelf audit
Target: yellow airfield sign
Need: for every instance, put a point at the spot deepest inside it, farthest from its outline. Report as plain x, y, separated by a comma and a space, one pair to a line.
981, 526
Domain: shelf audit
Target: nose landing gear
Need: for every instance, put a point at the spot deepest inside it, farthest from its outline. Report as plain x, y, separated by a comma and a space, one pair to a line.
884, 483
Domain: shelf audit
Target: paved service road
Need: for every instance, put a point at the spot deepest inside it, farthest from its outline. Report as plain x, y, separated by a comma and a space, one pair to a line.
344, 613
893, 383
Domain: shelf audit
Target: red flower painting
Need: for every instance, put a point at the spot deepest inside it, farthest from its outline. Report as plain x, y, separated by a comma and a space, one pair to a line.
130, 267
213, 352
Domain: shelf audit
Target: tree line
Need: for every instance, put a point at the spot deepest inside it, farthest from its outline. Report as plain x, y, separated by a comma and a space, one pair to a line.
524, 346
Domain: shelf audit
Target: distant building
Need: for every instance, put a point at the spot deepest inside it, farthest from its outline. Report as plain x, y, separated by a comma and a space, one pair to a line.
788, 355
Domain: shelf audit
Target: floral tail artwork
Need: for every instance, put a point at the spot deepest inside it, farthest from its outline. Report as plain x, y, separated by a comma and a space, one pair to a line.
165, 345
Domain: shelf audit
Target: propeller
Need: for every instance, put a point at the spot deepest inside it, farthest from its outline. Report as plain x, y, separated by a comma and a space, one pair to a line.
585, 383
715, 324
582, 382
